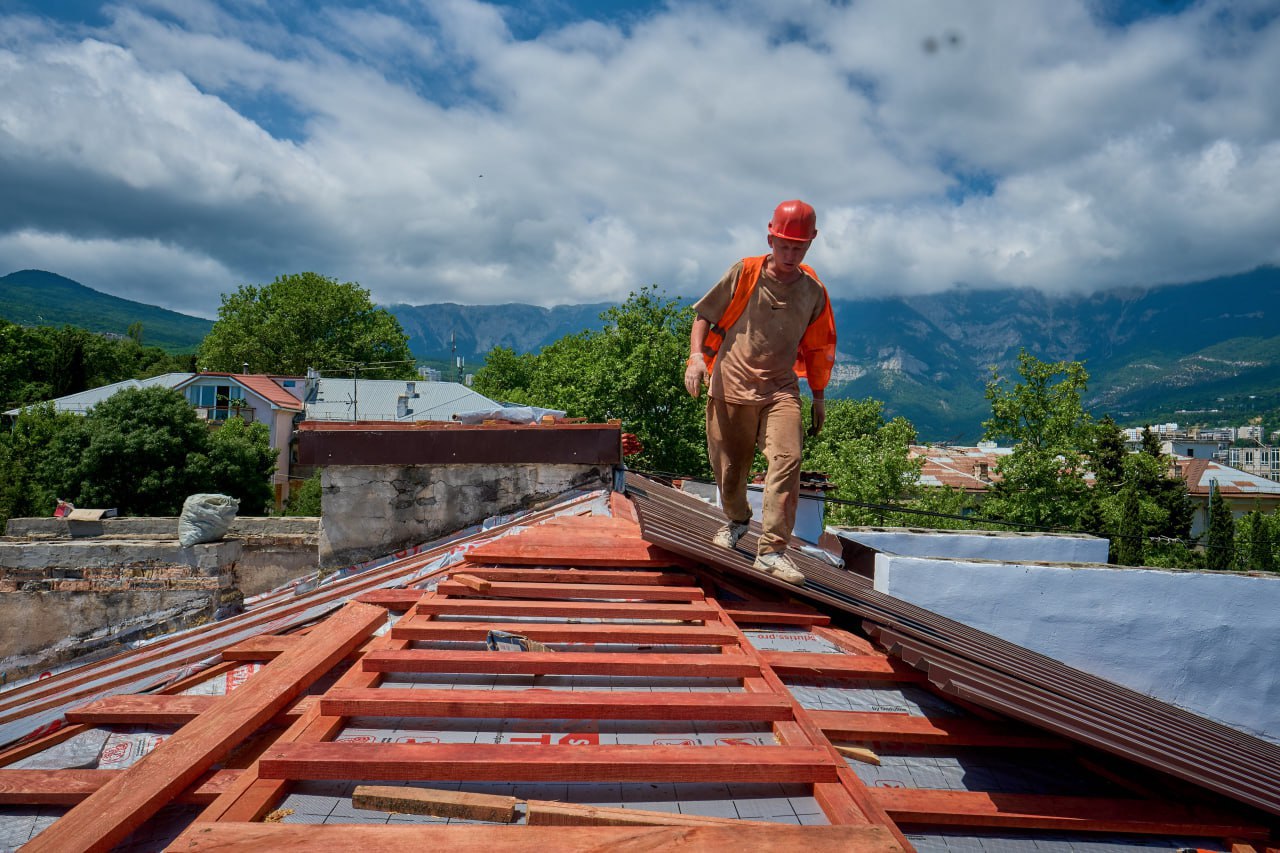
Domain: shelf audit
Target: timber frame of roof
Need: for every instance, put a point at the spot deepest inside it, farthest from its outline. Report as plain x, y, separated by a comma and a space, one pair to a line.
620, 617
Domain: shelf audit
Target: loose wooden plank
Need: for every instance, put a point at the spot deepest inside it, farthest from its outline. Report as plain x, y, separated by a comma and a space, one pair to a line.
561, 663
293, 837
467, 762
905, 728
1031, 811
872, 667
552, 632
694, 612
480, 585
578, 590
546, 813
554, 705
435, 802
69, 787
108, 815
626, 578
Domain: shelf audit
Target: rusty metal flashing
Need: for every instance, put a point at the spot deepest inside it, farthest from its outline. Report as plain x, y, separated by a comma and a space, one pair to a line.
987, 671
390, 443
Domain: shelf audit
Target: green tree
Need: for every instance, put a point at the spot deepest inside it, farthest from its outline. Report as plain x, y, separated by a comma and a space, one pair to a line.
239, 462
1042, 481
133, 453
306, 498
1259, 541
868, 460
632, 369
1221, 537
29, 477
1129, 543
306, 320
1108, 454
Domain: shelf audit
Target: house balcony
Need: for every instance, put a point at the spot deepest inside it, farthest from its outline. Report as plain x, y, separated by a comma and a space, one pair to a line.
216, 415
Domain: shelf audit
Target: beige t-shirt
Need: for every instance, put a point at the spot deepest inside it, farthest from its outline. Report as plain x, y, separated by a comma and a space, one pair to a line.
757, 359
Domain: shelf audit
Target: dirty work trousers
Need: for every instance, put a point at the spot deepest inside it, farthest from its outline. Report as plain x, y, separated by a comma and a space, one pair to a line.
733, 434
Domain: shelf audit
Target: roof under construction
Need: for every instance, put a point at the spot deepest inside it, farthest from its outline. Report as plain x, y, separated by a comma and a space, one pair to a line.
594, 676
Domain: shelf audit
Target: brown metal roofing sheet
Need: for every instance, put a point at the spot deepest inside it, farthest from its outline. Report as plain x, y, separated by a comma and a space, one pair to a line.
992, 672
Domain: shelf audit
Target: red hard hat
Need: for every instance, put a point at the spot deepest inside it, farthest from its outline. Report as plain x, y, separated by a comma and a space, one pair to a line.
794, 220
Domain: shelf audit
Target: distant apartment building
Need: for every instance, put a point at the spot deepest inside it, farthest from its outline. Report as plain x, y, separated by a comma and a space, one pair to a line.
1261, 461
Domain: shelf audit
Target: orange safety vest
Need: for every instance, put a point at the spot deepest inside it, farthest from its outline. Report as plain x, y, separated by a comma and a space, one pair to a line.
817, 351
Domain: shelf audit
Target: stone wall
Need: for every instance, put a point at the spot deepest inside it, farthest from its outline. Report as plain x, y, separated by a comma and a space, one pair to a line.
66, 599
374, 510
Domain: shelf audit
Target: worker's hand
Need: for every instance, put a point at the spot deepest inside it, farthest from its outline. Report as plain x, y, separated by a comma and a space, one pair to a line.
819, 417
695, 375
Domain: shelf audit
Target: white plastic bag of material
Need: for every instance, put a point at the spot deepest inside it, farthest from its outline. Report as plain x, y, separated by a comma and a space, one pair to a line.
205, 518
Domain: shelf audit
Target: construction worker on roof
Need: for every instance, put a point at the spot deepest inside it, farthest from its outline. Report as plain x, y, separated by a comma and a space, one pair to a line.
761, 327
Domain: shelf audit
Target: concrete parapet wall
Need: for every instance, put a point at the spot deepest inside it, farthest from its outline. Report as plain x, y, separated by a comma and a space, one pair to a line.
1203, 641
374, 510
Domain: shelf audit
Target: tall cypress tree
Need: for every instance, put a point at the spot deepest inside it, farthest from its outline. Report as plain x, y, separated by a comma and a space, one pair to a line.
1221, 536
1262, 553
1130, 542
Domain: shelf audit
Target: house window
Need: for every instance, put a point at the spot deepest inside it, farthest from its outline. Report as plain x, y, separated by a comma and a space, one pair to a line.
217, 401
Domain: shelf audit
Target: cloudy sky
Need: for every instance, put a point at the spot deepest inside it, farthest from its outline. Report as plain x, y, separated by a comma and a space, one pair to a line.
562, 151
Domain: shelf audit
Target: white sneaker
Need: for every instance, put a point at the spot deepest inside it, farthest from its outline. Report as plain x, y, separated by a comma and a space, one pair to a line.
780, 566
728, 536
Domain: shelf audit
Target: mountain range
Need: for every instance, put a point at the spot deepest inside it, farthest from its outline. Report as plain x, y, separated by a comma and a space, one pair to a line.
1172, 352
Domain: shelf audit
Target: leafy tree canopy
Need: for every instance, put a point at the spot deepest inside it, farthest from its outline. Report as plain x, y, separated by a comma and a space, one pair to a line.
301, 321
1042, 481
632, 369
42, 363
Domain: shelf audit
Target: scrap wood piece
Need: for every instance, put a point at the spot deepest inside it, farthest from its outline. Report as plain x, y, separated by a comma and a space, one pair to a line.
553, 705
435, 802
230, 837
480, 762
107, 816
472, 582
858, 753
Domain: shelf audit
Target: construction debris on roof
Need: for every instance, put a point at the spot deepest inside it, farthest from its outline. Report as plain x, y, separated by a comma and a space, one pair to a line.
669, 697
